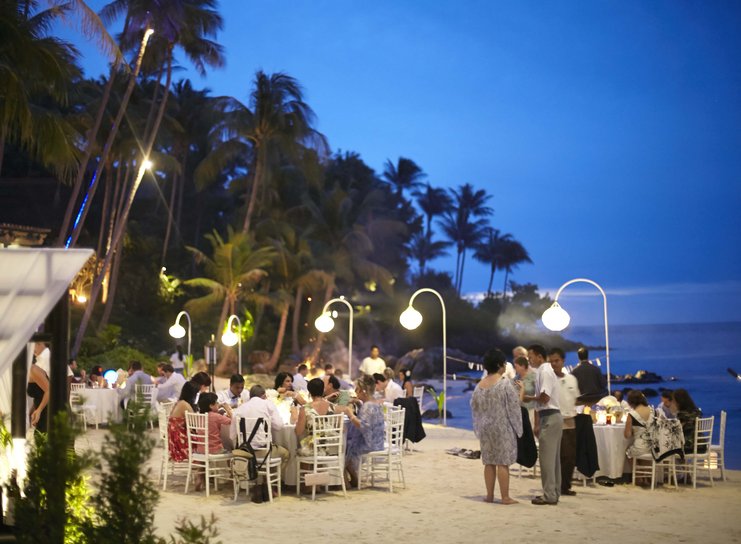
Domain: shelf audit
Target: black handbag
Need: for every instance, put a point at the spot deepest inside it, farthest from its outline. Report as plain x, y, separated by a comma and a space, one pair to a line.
252, 466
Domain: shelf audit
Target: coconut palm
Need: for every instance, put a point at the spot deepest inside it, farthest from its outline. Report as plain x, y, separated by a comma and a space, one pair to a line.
236, 266
491, 251
424, 249
405, 175
434, 201
513, 254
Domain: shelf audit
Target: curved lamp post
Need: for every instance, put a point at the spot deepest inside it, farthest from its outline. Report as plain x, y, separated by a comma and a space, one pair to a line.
411, 319
177, 330
557, 319
229, 338
325, 323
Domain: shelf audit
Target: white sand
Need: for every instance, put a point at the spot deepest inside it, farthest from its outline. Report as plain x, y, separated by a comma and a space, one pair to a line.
442, 502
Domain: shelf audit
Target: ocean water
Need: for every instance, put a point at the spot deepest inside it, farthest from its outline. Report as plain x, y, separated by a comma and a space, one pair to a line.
696, 355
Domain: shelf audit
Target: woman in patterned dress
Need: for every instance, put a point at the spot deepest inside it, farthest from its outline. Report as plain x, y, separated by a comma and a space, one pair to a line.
497, 422
366, 432
177, 437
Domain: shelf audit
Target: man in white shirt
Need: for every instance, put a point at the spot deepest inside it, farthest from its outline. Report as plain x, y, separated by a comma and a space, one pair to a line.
299, 378
235, 395
257, 406
387, 388
373, 364
548, 425
567, 401
170, 389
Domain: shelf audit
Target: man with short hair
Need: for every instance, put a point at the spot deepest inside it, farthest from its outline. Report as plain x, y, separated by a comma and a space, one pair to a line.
665, 406
388, 389
170, 389
592, 383
373, 364
548, 425
258, 406
329, 369
567, 404
299, 379
343, 384
136, 376
235, 395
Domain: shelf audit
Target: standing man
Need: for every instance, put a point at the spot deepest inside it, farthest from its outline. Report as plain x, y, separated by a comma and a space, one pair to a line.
373, 364
592, 383
548, 425
567, 401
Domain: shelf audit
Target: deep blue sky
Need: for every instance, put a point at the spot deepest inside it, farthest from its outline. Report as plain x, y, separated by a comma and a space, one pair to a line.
608, 133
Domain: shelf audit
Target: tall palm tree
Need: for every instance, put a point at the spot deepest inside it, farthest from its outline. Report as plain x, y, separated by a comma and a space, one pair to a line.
235, 267
36, 75
513, 254
491, 251
276, 123
405, 175
424, 249
434, 201
465, 226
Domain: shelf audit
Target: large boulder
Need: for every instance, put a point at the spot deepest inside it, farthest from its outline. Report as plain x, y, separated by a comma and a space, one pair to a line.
428, 363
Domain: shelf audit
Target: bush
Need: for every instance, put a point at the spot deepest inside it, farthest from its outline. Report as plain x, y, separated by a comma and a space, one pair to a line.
120, 357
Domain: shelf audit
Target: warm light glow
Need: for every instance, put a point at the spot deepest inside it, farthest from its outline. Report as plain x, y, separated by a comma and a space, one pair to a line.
147, 164
177, 331
229, 338
82, 299
148, 33
410, 318
324, 323
556, 318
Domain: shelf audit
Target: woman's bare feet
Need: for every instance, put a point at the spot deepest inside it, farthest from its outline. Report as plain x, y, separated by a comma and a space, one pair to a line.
509, 500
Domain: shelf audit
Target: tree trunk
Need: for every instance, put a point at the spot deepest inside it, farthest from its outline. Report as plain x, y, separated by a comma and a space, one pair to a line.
279, 340
504, 291
108, 181
457, 268
112, 284
460, 278
170, 207
87, 154
3, 131
111, 136
491, 279
259, 167
320, 337
295, 347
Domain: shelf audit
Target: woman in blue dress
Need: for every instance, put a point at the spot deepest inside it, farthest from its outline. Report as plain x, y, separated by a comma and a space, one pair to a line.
366, 431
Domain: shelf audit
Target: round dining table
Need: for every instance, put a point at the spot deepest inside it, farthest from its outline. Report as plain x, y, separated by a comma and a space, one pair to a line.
106, 402
611, 446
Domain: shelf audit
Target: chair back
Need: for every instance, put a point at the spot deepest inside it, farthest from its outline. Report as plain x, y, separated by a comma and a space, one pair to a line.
76, 397
419, 393
196, 426
144, 393
262, 437
162, 417
395, 427
328, 435
166, 407
703, 433
722, 434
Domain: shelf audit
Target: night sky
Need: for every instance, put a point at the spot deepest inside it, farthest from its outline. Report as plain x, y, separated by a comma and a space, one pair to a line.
607, 133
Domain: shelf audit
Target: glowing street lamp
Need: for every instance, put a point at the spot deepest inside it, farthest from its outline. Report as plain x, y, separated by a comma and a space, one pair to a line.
557, 319
411, 319
325, 323
230, 338
177, 330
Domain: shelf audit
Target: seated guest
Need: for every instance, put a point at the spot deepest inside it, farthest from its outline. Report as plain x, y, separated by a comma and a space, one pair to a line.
78, 374
177, 438
387, 389
258, 406
333, 393
235, 395
284, 387
405, 377
136, 377
665, 406
202, 381
208, 403
343, 384
366, 432
318, 406
95, 377
640, 416
160, 378
299, 379
687, 411
170, 388
329, 369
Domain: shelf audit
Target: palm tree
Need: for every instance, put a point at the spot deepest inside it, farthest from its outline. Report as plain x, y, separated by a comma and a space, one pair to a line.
433, 201
513, 254
277, 123
36, 75
234, 269
465, 225
404, 176
424, 249
491, 251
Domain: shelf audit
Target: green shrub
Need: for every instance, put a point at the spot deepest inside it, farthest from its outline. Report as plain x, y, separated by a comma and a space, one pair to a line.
120, 357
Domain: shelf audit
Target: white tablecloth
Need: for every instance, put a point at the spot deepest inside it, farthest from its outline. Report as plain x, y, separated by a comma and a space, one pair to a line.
106, 404
611, 445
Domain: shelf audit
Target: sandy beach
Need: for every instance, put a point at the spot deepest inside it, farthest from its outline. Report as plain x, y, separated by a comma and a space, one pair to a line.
443, 502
